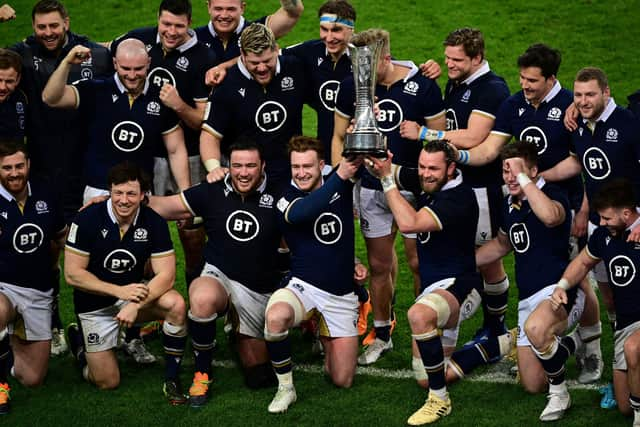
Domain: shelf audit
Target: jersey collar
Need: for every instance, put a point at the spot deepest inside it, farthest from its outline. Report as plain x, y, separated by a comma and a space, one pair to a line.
484, 69
186, 45
555, 89
229, 185
246, 72
453, 183
112, 214
413, 69
123, 89
632, 226
5, 193
238, 29
608, 110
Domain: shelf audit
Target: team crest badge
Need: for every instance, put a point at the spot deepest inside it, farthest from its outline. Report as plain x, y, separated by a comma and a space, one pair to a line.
287, 83
19, 108
266, 201
554, 114
411, 88
466, 96
153, 108
182, 63
42, 207
612, 135
140, 235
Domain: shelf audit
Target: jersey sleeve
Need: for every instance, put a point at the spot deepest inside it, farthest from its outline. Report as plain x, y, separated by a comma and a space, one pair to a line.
502, 125
433, 104
346, 98
208, 60
82, 231
198, 198
161, 244
86, 91
596, 243
218, 115
451, 210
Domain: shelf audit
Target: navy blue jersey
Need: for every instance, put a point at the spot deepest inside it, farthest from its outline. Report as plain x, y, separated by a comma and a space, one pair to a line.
622, 260
119, 131
541, 253
325, 77
543, 127
58, 137
184, 68
482, 93
13, 116
25, 237
612, 151
119, 260
318, 228
273, 113
224, 52
634, 103
415, 98
242, 231
449, 252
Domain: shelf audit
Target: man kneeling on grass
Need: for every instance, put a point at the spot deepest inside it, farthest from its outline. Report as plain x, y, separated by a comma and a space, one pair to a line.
107, 248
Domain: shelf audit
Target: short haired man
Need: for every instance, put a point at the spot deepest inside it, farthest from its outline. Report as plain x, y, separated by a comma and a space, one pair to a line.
239, 214
13, 101
472, 98
64, 130
327, 62
615, 203
105, 255
222, 33
446, 221
263, 94
316, 216
126, 118
403, 94
536, 227
32, 233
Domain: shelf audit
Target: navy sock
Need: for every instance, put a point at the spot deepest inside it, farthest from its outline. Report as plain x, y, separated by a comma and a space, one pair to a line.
5, 358
174, 340
495, 300
554, 363
132, 333
430, 347
469, 358
383, 332
280, 354
203, 334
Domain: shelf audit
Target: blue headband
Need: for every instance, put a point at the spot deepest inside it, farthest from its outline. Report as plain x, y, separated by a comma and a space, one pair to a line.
333, 19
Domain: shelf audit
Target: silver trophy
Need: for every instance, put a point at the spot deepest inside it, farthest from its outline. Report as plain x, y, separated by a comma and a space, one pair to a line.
366, 137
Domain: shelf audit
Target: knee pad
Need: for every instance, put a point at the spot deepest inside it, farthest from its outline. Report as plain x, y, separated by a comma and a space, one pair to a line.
195, 318
274, 336
174, 330
288, 297
497, 288
438, 304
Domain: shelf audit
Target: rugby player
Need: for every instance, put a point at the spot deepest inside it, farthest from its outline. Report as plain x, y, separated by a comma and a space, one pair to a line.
536, 226
239, 215
316, 216
263, 94
472, 97
403, 94
222, 33
13, 101
615, 203
534, 115
64, 130
107, 248
446, 222
32, 231
126, 118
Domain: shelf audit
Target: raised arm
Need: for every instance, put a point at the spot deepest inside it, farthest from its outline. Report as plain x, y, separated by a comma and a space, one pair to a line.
57, 93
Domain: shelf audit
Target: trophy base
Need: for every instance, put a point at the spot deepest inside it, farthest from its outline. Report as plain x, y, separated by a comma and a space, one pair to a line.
370, 144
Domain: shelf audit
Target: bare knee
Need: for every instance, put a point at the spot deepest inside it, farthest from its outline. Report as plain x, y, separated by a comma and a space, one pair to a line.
279, 316
342, 379
536, 332
632, 353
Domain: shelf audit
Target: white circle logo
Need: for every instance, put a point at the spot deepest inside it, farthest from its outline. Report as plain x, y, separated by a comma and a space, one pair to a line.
127, 136
119, 261
159, 76
270, 116
242, 226
389, 116
535, 135
519, 237
28, 238
622, 270
596, 163
328, 93
327, 228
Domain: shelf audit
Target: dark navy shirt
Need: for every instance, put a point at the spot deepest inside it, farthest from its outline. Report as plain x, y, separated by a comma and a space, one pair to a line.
13, 116
541, 253
318, 228
183, 67
325, 76
481, 93
207, 35
242, 231
118, 130
622, 260
119, 260
25, 237
414, 98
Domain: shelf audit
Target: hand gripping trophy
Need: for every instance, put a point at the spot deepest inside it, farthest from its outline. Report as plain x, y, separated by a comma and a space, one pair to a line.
366, 138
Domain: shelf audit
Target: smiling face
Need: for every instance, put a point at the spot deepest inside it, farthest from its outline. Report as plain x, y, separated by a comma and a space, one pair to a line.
262, 67
246, 169
50, 30
335, 37
225, 15
14, 173
173, 30
306, 170
459, 65
590, 99
126, 199
433, 170
9, 80
132, 71
534, 85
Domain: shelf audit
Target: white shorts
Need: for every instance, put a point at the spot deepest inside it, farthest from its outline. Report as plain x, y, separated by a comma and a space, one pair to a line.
91, 192
376, 218
526, 307
467, 309
620, 337
600, 270
100, 329
488, 206
247, 306
338, 313
163, 182
33, 308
